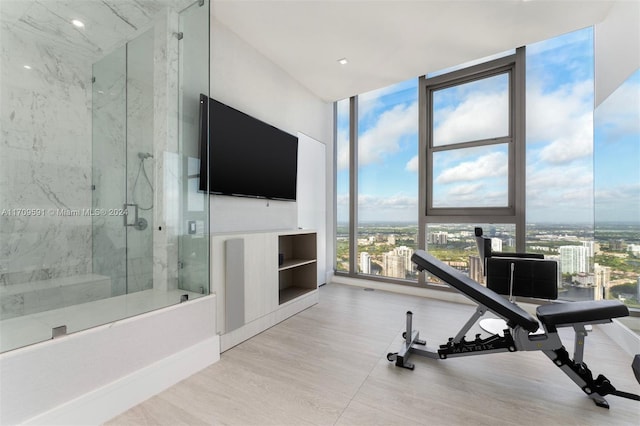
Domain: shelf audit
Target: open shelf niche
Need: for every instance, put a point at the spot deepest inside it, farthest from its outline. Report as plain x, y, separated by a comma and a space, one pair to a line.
297, 273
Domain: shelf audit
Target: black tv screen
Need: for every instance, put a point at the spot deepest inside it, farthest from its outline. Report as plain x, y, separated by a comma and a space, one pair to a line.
246, 157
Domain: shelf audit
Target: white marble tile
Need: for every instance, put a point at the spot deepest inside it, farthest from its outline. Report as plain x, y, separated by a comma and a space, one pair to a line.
44, 295
12, 10
46, 161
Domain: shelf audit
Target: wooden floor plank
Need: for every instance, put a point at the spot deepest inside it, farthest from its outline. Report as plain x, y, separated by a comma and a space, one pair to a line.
327, 366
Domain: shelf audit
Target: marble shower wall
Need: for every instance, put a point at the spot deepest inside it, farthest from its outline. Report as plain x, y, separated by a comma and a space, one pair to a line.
45, 171
46, 148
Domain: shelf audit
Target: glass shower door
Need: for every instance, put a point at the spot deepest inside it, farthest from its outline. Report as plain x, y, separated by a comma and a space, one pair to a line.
193, 72
109, 165
100, 133
124, 166
141, 163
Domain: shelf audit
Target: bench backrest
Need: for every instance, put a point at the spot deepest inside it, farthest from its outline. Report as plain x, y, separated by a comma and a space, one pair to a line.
512, 313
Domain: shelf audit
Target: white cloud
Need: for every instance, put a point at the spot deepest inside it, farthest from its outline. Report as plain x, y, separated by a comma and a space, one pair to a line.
398, 207
467, 189
560, 192
494, 164
370, 102
481, 115
476, 194
384, 137
618, 115
618, 203
342, 143
569, 147
563, 120
413, 164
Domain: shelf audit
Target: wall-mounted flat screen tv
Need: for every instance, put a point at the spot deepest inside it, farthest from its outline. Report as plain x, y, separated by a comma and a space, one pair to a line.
246, 157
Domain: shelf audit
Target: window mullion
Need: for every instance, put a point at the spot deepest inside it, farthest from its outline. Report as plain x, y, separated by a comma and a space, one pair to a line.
353, 185
473, 144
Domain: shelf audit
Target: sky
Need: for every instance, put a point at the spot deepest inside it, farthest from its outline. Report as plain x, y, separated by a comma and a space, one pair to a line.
570, 148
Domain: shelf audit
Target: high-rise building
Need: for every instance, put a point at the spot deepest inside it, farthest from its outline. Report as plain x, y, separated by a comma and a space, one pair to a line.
573, 259
617, 245
496, 244
406, 253
391, 240
590, 247
634, 249
393, 265
365, 263
602, 281
476, 271
438, 237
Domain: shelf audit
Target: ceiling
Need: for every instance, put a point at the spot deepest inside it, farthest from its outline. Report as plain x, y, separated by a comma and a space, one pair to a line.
108, 23
388, 41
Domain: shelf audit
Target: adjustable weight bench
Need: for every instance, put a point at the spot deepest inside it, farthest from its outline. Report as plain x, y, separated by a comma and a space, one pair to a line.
519, 334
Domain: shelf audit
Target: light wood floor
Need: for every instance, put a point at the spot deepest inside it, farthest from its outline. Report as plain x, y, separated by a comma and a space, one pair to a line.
327, 366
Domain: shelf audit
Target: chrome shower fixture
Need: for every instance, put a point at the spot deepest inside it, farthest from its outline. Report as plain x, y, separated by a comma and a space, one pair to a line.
144, 155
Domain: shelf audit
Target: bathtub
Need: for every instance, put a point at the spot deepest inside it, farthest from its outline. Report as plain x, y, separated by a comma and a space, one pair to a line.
92, 375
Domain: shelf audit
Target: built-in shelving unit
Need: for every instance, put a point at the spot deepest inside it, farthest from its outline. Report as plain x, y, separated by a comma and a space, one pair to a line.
297, 275
260, 279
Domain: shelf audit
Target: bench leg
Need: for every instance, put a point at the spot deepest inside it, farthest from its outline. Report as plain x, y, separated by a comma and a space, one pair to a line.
578, 372
596, 388
411, 338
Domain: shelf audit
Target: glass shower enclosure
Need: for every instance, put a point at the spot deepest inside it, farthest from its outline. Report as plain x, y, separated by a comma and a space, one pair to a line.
100, 218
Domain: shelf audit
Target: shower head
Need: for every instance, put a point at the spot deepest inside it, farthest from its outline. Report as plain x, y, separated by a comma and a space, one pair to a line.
144, 155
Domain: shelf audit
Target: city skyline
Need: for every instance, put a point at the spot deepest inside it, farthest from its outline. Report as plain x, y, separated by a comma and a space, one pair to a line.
588, 268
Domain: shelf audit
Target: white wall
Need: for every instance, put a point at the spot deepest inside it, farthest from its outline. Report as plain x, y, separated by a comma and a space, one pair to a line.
243, 78
617, 48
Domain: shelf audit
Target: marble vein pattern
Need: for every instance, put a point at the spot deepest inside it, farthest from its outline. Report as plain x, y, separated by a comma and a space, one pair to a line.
64, 147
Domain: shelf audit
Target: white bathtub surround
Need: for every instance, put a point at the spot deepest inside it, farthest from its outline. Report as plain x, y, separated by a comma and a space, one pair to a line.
101, 372
28, 329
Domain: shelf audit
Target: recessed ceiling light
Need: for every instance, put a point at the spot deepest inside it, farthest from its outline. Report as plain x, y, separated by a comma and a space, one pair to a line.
78, 23
27, 67
343, 61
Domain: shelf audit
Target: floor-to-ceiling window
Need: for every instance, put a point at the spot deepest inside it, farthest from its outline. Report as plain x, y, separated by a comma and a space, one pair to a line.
617, 193
343, 155
472, 177
559, 184
473, 143
387, 181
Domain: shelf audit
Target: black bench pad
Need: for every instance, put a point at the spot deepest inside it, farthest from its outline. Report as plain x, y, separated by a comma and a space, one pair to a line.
580, 312
512, 313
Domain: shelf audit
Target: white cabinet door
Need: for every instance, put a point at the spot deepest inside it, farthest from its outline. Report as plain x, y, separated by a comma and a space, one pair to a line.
311, 197
260, 275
